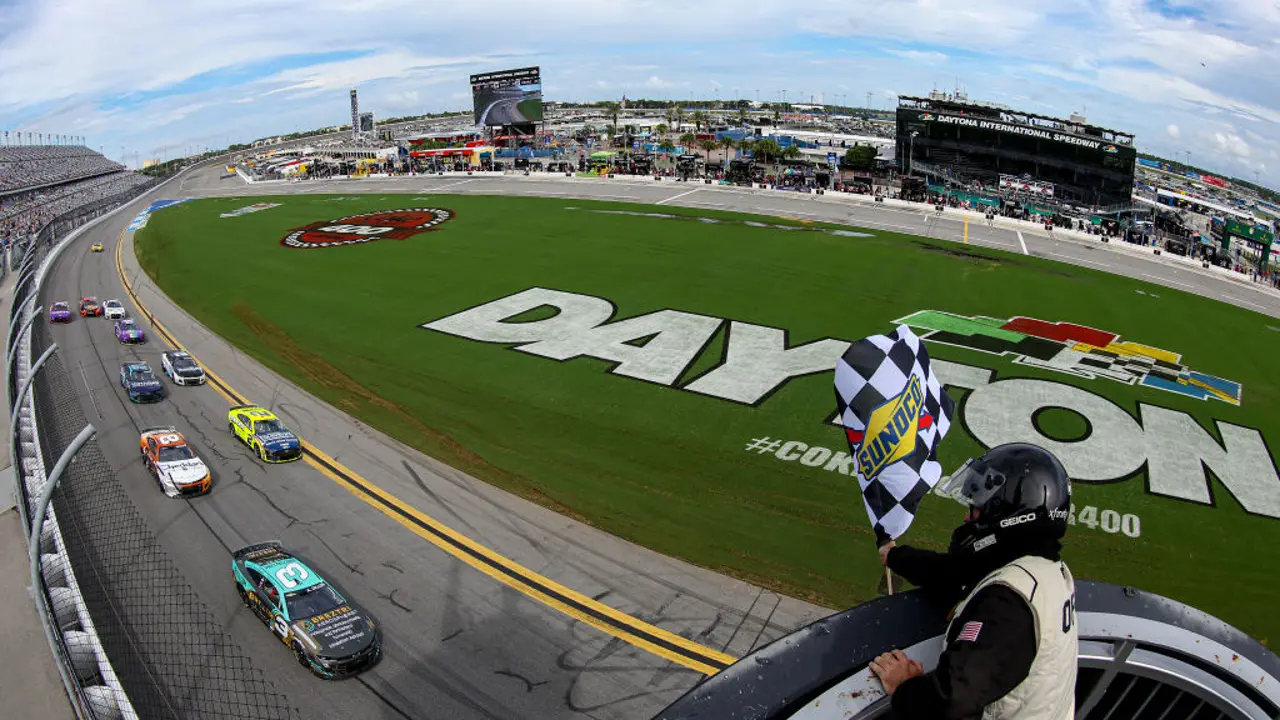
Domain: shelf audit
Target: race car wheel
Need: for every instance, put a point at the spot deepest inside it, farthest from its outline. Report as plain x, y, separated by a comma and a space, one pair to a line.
244, 597
262, 453
232, 427
301, 657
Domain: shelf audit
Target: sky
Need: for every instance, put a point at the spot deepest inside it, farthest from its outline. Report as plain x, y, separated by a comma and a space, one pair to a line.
154, 79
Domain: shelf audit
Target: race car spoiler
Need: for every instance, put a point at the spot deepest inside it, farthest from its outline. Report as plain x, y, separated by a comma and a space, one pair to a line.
158, 429
258, 550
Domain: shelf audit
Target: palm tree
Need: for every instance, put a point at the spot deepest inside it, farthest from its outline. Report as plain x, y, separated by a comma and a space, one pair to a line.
742, 116
707, 146
791, 152
611, 109
666, 145
767, 149
728, 144
699, 118
688, 139
661, 129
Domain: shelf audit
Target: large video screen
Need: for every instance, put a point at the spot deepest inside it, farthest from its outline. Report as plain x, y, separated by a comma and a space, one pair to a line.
509, 97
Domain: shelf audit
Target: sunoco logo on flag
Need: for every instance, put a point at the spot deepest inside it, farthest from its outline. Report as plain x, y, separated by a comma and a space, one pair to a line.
891, 432
895, 414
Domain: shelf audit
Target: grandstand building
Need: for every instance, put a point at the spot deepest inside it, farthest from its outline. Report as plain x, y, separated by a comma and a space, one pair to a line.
952, 140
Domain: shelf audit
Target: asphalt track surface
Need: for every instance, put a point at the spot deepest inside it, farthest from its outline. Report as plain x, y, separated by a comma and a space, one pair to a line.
463, 640
505, 111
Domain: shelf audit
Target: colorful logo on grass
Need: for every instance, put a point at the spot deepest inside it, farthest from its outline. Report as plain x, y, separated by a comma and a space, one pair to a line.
356, 229
1075, 350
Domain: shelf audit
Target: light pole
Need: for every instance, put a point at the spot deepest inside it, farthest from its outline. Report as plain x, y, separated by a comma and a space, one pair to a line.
911, 153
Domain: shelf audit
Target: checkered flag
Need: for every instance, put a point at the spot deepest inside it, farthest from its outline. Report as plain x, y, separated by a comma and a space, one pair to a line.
895, 414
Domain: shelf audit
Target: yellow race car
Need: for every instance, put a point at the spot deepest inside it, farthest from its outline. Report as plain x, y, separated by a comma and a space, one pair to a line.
96, 247
262, 431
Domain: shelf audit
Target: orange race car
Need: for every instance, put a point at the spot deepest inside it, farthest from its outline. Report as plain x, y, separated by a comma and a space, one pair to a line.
176, 468
90, 306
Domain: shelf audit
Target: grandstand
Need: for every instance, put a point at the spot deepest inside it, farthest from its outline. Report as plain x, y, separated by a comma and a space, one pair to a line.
28, 167
980, 144
39, 183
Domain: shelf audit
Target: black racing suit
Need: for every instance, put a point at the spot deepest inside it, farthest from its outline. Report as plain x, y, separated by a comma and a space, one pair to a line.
970, 674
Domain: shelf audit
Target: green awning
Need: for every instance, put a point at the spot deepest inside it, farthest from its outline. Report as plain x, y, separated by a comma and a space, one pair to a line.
1037, 211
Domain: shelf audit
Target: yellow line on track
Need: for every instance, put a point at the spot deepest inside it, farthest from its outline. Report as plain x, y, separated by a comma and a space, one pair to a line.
638, 633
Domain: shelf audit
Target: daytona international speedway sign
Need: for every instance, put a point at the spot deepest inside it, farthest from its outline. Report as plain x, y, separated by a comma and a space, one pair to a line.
1012, 129
1177, 454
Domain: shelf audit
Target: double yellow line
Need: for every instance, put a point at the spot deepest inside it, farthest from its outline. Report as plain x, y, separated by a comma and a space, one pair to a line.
643, 635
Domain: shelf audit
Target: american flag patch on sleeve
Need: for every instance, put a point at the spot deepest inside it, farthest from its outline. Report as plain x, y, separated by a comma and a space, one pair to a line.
970, 631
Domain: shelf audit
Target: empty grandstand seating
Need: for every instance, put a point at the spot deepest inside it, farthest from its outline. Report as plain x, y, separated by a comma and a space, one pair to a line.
23, 167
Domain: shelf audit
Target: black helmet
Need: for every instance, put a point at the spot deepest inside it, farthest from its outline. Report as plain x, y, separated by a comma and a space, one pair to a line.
1023, 496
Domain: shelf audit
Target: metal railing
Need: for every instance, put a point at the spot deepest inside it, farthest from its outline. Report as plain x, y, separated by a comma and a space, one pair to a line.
86, 672
129, 636
1141, 657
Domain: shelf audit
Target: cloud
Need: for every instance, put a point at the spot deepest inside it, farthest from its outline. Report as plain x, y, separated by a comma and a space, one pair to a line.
1232, 143
924, 57
238, 69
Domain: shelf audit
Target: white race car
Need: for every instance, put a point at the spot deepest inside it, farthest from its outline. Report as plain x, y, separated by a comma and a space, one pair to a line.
113, 309
181, 368
176, 468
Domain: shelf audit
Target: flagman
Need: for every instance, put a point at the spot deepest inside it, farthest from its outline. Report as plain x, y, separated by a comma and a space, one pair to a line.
1011, 645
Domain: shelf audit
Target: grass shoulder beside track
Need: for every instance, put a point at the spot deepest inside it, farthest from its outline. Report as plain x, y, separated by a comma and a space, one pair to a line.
666, 468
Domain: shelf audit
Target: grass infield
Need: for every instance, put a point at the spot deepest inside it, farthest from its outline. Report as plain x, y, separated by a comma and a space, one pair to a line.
666, 468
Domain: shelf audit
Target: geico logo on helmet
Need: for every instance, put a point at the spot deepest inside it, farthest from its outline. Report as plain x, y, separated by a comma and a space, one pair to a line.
1176, 453
1018, 520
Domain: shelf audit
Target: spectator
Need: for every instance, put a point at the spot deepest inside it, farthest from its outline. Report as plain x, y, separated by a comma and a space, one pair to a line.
24, 213
33, 166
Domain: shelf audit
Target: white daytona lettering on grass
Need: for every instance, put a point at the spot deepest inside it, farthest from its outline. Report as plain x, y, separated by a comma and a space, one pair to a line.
758, 361
1179, 454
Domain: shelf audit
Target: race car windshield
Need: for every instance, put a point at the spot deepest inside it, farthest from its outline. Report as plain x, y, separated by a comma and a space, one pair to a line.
175, 453
59, 306
266, 426
183, 361
313, 601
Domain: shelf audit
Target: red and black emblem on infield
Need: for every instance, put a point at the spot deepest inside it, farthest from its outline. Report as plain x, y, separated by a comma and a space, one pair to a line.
355, 229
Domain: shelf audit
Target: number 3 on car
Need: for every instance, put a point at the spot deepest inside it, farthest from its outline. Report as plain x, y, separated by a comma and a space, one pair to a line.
329, 634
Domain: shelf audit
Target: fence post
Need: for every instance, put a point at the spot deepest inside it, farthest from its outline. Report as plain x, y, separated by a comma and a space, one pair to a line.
26, 385
33, 547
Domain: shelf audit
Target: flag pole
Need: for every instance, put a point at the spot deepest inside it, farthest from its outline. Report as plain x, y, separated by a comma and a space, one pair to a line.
888, 579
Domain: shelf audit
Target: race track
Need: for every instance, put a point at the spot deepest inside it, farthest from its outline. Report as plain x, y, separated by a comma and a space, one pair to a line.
460, 643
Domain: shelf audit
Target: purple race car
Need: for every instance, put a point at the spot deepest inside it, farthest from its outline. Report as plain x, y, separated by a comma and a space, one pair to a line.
128, 333
60, 312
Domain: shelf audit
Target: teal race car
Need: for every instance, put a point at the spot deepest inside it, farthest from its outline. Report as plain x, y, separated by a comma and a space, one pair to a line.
140, 383
329, 634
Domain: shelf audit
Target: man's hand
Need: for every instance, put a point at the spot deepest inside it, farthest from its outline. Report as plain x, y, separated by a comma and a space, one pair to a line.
884, 553
894, 668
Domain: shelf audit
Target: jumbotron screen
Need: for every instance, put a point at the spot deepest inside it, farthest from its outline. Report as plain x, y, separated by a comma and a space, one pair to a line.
509, 97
